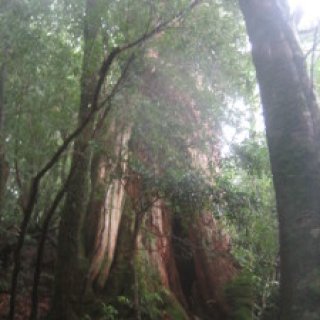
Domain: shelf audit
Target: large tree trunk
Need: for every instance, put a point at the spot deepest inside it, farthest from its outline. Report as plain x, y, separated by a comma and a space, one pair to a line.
138, 245
188, 265
106, 202
292, 123
71, 265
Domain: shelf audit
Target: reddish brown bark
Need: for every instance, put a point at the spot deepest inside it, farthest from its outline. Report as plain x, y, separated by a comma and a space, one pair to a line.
125, 229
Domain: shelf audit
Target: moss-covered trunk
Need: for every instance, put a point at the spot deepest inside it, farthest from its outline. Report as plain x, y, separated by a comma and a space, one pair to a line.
167, 266
71, 265
181, 274
292, 122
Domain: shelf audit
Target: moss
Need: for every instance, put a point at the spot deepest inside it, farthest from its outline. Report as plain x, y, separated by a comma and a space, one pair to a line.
240, 295
173, 308
155, 302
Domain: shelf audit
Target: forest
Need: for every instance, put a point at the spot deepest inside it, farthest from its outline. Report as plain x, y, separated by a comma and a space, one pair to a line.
159, 160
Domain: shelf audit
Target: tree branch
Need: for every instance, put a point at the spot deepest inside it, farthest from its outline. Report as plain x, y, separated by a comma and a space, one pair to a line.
108, 99
41, 245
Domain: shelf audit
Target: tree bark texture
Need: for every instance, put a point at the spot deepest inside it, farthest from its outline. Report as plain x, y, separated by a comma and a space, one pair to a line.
193, 275
291, 117
106, 202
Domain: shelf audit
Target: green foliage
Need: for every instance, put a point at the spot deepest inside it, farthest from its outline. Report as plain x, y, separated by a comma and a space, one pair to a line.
149, 289
241, 296
246, 205
155, 301
252, 156
41, 91
271, 310
109, 312
151, 305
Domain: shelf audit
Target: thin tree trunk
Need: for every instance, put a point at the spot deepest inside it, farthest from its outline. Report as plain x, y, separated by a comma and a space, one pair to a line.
41, 247
292, 117
4, 168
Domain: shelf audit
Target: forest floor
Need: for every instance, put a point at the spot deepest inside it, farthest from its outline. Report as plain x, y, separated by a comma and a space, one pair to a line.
23, 306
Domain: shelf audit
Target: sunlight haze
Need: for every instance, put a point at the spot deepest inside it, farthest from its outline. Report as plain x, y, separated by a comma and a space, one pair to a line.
308, 10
